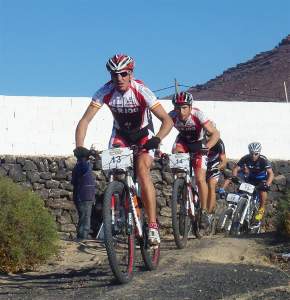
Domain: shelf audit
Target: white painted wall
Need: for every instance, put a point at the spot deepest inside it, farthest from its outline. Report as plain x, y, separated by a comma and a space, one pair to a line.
46, 125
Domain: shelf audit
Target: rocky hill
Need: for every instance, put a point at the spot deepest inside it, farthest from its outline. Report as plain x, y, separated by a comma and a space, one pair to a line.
259, 79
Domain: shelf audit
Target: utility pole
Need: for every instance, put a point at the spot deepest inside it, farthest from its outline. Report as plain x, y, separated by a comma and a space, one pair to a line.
285, 88
176, 86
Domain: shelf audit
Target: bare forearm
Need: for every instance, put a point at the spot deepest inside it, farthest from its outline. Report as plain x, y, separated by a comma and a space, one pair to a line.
270, 178
80, 133
236, 170
223, 164
82, 127
213, 139
165, 128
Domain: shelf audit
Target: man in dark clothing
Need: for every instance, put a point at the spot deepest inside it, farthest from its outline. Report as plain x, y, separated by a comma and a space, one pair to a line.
259, 173
83, 195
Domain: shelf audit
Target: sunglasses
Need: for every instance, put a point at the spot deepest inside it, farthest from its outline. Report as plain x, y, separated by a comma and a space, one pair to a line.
255, 153
123, 74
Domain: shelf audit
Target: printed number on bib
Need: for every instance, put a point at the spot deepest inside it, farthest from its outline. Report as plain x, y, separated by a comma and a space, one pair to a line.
117, 158
179, 161
246, 187
233, 198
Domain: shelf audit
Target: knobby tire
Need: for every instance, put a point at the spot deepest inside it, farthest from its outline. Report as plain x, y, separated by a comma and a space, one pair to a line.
119, 242
180, 217
236, 225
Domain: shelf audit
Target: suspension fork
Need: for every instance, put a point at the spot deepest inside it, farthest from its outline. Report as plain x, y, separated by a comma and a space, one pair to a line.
189, 200
113, 203
245, 211
133, 201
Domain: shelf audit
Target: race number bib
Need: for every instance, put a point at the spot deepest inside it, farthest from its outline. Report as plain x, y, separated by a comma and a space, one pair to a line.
246, 187
117, 158
179, 161
233, 198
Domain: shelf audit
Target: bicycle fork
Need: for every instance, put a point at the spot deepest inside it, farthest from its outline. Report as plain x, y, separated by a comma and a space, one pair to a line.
133, 203
190, 200
245, 212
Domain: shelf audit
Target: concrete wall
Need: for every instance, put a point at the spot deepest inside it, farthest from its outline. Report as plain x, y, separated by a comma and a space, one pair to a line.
46, 126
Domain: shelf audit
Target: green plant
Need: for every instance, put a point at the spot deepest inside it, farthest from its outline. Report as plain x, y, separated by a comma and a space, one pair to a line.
28, 233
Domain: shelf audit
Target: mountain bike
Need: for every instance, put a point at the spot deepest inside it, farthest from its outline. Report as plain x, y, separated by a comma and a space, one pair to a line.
225, 219
185, 200
248, 205
241, 209
124, 218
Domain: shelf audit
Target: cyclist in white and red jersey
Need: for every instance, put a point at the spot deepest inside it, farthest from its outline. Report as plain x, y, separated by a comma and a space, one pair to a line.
192, 124
130, 102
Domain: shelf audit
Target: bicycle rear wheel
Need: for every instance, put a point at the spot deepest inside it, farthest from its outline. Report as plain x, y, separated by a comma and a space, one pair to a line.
119, 231
180, 217
149, 254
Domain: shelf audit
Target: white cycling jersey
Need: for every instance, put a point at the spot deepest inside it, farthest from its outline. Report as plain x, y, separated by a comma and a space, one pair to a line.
131, 109
192, 129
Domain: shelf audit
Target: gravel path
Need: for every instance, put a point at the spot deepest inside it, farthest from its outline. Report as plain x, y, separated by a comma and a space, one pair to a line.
211, 268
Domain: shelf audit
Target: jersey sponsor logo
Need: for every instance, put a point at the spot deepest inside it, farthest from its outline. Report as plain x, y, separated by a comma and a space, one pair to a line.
125, 110
187, 128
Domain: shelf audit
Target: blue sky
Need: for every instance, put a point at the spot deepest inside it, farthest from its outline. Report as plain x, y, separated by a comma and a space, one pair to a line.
60, 47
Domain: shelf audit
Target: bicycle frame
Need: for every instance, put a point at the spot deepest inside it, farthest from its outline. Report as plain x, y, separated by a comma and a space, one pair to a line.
248, 211
247, 205
190, 200
132, 188
184, 169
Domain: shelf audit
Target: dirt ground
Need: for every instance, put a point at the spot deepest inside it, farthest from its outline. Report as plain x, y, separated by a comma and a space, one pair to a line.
81, 271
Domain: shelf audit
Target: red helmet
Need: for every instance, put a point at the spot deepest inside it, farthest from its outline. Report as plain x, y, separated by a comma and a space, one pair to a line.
119, 63
182, 99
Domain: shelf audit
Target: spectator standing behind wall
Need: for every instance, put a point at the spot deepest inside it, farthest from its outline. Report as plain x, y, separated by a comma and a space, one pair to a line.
83, 195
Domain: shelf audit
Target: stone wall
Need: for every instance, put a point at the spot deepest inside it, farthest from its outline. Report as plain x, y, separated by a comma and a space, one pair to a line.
50, 178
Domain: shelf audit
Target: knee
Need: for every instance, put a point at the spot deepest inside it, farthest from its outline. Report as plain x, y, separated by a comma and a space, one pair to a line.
200, 180
143, 167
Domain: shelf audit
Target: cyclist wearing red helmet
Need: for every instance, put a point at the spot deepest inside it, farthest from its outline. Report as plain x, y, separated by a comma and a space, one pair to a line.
130, 102
192, 125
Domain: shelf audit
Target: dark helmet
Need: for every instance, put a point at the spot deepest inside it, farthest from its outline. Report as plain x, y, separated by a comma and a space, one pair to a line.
182, 99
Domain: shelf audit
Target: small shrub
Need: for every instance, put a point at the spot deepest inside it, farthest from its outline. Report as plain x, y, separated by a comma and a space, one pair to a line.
283, 224
28, 233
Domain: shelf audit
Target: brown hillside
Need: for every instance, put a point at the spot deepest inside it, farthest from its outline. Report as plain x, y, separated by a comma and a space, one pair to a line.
259, 79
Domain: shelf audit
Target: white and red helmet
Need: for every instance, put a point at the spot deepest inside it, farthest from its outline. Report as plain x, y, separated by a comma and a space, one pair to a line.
119, 63
183, 98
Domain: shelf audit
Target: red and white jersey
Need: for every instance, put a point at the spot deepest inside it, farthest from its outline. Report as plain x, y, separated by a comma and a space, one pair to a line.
131, 109
190, 130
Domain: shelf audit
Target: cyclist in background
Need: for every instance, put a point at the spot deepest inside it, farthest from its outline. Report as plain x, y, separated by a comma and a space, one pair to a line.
258, 172
191, 124
130, 102
217, 161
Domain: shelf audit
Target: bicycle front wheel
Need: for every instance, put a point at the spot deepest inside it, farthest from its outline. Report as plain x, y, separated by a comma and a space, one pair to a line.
180, 217
237, 227
119, 231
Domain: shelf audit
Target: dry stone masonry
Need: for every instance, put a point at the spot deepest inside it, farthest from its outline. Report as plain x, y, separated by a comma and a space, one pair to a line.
50, 178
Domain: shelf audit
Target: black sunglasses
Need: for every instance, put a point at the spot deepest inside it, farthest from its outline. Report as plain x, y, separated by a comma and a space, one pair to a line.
255, 153
123, 74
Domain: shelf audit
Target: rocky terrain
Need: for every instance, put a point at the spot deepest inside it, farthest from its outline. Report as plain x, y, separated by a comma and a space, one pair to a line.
259, 79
